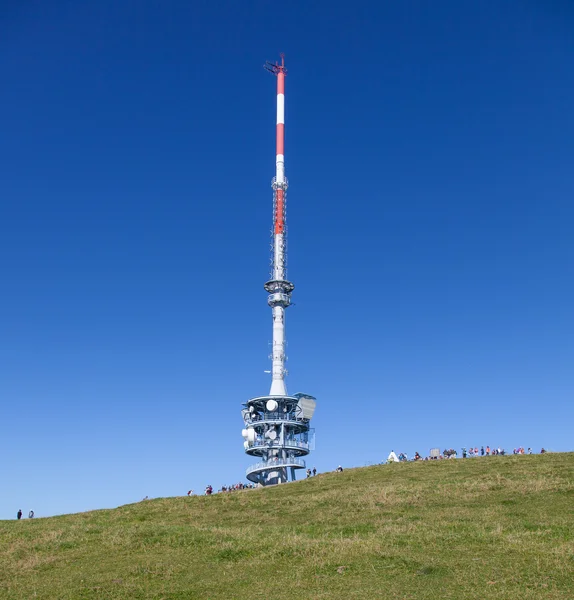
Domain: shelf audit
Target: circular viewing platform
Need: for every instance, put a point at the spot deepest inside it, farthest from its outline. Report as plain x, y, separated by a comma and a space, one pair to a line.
269, 465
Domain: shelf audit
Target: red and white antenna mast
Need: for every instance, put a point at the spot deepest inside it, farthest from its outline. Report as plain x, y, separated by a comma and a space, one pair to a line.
278, 287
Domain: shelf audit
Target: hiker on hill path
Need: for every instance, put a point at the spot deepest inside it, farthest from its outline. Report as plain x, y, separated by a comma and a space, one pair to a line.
314, 471
308, 473
31, 514
19, 514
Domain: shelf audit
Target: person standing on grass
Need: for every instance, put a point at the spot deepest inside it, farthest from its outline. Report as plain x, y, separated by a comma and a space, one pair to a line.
488, 451
19, 514
31, 514
314, 471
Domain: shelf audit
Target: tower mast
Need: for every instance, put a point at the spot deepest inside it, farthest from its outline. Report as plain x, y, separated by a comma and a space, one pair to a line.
278, 426
278, 287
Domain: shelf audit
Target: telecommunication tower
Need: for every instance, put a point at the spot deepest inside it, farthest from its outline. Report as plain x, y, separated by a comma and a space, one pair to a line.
277, 427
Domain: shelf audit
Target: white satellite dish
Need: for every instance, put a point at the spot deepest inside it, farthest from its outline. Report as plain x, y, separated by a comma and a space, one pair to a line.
246, 444
244, 433
272, 405
251, 435
272, 435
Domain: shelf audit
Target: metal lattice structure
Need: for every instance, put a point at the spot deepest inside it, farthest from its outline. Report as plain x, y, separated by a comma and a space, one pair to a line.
277, 427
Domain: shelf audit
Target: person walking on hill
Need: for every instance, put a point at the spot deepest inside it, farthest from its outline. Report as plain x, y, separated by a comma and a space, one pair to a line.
19, 514
314, 471
31, 514
308, 473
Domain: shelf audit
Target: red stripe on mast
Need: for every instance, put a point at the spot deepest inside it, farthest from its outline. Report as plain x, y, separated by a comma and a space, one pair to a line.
279, 211
280, 138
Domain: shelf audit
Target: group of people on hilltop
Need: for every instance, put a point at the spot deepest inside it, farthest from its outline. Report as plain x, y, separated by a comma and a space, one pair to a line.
247, 486
20, 513
237, 486
483, 451
226, 488
451, 453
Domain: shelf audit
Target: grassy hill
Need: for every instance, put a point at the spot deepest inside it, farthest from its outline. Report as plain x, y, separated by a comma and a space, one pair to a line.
487, 528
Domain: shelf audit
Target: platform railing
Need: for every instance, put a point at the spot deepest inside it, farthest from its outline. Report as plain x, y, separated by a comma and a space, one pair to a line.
261, 442
298, 463
273, 416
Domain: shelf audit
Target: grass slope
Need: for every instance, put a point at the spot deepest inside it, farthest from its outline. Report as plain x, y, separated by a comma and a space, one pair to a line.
489, 528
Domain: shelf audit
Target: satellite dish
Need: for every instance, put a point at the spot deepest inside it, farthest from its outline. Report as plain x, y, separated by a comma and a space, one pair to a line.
272, 405
246, 445
244, 433
251, 435
272, 435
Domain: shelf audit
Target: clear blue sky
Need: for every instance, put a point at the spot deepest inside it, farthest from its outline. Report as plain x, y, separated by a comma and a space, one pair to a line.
429, 148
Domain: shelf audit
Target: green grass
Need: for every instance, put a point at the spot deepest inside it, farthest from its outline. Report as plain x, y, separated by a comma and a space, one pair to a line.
488, 528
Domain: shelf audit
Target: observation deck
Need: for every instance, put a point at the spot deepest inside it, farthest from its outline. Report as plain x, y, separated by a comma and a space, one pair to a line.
277, 429
253, 471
